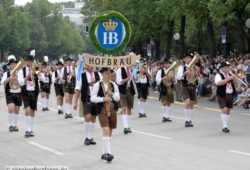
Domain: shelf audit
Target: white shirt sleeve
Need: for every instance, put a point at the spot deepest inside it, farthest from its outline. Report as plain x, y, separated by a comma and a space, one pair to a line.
62, 72
217, 78
158, 77
4, 78
100, 76
20, 78
41, 77
54, 77
79, 84
116, 94
119, 76
94, 98
179, 75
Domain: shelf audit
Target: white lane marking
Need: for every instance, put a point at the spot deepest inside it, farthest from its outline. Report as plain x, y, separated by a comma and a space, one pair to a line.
177, 117
152, 135
245, 114
239, 152
76, 117
45, 148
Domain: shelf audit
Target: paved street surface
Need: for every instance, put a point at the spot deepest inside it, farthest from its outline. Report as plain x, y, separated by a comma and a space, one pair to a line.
153, 145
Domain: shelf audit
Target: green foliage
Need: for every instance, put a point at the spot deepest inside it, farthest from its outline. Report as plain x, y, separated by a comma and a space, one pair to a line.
150, 21
39, 25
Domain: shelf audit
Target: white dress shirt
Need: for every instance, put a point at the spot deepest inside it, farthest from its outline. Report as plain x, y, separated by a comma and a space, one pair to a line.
79, 82
142, 79
119, 76
45, 79
218, 79
11, 90
96, 99
158, 77
30, 85
59, 75
180, 71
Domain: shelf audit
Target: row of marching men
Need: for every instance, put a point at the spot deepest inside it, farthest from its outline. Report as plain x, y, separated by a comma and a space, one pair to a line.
100, 96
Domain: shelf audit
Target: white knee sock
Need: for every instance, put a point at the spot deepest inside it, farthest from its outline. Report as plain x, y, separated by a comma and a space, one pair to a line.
70, 108
167, 111
224, 120
10, 119
143, 107
87, 129
27, 122
190, 111
44, 102
129, 119
31, 122
106, 147
125, 121
140, 106
67, 108
15, 119
186, 117
59, 107
92, 127
164, 110
47, 102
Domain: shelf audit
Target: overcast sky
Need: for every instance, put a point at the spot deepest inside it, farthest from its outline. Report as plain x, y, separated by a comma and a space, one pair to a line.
23, 2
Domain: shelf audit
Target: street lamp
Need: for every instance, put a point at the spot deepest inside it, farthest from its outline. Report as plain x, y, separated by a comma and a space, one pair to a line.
248, 34
177, 38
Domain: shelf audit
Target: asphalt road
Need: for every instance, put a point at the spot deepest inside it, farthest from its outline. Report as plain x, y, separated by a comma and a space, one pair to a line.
152, 144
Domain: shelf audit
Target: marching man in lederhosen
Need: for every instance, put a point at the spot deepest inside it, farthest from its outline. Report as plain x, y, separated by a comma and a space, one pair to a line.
57, 79
28, 79
190, 76
106, 95
13, 94
166, 83
45, 85
142, 82
84, 87
127, 92
69, 87
225, 91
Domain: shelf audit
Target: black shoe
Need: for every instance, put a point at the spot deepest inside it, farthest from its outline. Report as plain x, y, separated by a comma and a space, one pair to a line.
125, 131
129, 130
15, 129
70, 116
104, 156
11, 129
31, 134
27, 134
108, 157
190, 124
60, 112
164, 119
144, 115
87, 141
225, 130
140, 115
92, 142
187, 124
44, 109
66, 116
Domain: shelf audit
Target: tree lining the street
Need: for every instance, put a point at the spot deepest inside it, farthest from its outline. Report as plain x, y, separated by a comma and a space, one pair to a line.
38, 25
199, 23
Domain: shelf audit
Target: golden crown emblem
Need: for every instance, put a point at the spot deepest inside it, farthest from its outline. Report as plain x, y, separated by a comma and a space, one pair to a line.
110, 25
